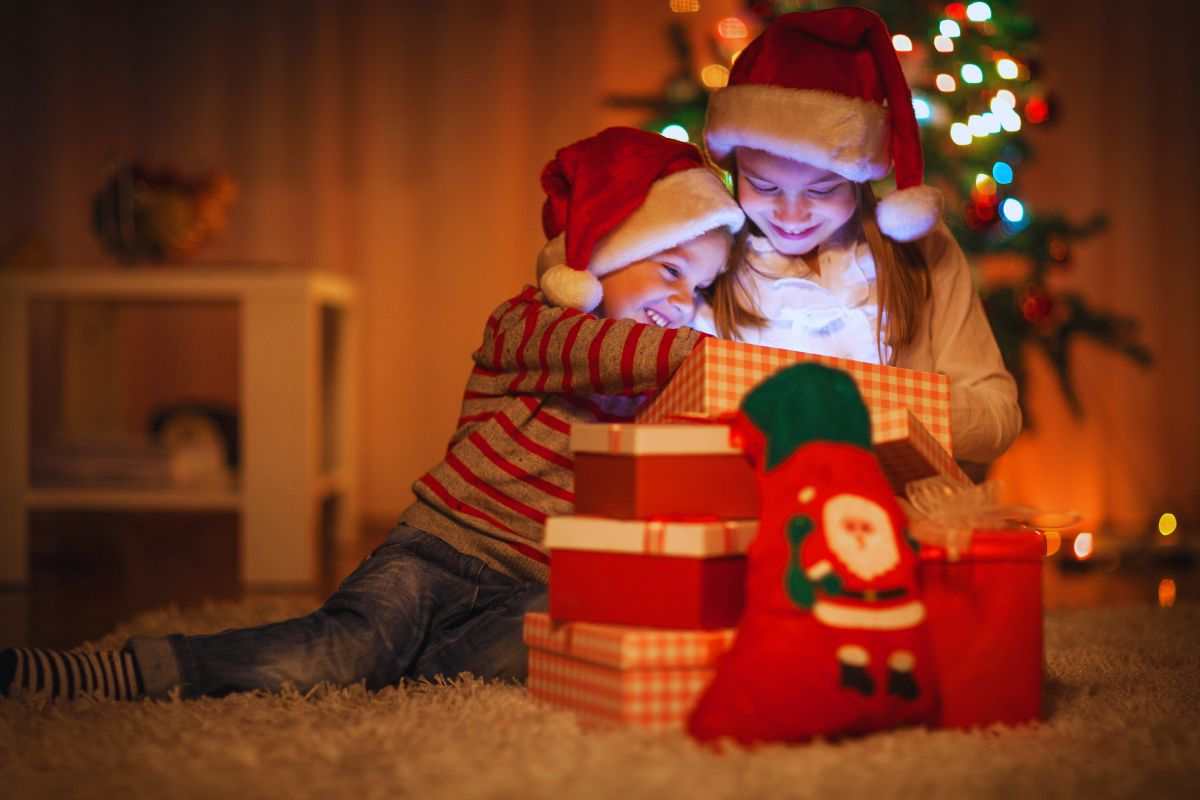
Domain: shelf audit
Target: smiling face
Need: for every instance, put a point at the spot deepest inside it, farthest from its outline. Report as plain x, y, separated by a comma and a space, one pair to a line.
796, 206
661, 290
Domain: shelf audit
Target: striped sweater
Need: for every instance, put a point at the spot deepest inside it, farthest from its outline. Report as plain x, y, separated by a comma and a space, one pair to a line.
539, 370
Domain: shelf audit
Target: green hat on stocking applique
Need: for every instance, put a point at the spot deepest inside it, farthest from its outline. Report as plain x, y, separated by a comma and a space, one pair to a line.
806, 403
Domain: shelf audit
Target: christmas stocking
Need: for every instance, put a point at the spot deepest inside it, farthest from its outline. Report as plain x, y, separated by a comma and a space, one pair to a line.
832, 640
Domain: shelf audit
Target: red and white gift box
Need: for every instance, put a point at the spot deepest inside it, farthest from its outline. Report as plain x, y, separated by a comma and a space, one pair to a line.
984, 611
615, 674
654, 573
715, 377
691, 470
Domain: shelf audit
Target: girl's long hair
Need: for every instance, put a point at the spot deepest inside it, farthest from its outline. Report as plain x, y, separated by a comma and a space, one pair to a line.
901, 274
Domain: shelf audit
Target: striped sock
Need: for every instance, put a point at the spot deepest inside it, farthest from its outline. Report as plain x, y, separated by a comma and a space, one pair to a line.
65, 675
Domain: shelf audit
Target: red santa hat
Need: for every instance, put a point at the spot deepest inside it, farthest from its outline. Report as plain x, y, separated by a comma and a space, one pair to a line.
826, 88
619, 197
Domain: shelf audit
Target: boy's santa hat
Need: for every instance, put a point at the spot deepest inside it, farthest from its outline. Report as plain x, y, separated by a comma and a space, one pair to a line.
826, 88
619, 197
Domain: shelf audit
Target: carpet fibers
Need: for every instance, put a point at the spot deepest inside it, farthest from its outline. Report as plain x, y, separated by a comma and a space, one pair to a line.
1123, 699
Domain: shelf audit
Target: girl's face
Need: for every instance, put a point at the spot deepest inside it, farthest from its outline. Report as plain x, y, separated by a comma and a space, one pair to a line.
796, 206
661, 290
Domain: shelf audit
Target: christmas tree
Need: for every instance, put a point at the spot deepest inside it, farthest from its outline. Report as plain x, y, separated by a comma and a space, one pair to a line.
976, 80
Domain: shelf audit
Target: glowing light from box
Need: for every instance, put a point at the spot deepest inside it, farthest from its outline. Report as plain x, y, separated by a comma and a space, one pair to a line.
902, 43
971, 73
1002, 172
714, 76
949, 28
921, 109
676, 132
1166, 593
1007, 68
943, 44
732, 28
945, 82
1083, 546
685, 6
1013, 211
1167, 524
960, 134
1053, 542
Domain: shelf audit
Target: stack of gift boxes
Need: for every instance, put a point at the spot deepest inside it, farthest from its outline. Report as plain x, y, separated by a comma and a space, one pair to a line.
647, 576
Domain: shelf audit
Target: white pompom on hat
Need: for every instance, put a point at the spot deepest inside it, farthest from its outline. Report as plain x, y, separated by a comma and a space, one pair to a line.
619, 197
825, 87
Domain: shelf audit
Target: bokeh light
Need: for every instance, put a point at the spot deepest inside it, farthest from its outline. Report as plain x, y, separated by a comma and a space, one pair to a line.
676, 132
1167, 524
714, 76
943, 44
979, 12
685, 6
945, 82
902, 43
1007, 68
921, 109
971, 73
1002, 172
732, 28
1166, 593
949, 27
960, 134
1083, 546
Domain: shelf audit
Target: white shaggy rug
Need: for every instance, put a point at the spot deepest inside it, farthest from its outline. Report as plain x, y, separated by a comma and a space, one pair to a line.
1123, 697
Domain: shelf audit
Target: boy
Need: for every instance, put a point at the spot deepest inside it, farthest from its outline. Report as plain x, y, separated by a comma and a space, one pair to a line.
636, 226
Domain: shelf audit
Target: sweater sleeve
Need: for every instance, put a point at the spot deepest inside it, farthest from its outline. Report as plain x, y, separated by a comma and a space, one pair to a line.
984, 415
531, 347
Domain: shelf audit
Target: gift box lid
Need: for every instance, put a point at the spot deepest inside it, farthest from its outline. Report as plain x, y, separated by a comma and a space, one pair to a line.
695, 539
652, 439
625, 647
716, 375
908, 452
1017, 544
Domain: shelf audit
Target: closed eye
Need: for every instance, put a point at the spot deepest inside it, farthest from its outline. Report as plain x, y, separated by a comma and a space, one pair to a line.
761, 186
673, 272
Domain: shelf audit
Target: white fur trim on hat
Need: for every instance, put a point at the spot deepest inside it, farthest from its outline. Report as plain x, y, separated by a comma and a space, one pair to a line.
571, 288
908, 214
677, 209
844, 134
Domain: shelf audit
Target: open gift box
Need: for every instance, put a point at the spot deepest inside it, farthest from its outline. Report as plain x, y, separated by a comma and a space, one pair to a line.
633, 676
984, 611
662, 574
716, 375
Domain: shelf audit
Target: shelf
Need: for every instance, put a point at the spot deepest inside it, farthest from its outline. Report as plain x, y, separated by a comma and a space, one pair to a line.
69, 497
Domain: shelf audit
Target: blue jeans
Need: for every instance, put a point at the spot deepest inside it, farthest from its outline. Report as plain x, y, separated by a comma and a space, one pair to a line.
416, 608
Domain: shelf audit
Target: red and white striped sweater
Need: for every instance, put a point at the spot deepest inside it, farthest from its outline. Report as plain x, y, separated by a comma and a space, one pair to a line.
539, 370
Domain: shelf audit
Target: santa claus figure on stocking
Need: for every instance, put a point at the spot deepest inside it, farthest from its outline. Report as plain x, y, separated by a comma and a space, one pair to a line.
832, 639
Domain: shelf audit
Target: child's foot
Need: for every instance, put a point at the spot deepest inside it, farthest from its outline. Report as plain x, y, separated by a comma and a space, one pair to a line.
65, 675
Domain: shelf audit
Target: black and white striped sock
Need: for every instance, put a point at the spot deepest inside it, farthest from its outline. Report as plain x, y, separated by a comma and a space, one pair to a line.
59, 674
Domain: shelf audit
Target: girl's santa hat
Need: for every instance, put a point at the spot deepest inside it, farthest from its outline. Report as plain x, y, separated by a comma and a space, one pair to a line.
825, 87
619, 197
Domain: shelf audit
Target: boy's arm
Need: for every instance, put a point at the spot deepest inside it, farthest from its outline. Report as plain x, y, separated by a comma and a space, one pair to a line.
531, 347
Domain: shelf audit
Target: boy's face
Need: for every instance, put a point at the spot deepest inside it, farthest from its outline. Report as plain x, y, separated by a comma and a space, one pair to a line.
661, 290
796, 206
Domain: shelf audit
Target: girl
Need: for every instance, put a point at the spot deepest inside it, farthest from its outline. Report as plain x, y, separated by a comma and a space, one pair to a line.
637, 224
815, 108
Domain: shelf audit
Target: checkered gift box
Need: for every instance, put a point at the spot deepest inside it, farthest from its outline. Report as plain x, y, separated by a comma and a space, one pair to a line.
645, 677
716, 375
907, 452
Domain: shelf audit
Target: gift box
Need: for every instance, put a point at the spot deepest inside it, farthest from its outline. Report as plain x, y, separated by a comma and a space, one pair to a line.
660, 574
634, 676
984, 612
688, 471
716, 375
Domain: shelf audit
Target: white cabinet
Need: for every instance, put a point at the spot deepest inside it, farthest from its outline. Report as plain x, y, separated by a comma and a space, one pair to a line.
296, 341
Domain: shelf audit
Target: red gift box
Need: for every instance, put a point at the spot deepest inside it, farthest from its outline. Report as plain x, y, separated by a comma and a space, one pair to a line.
716, 375
607, 673
688, 471
660, 574
984, 612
